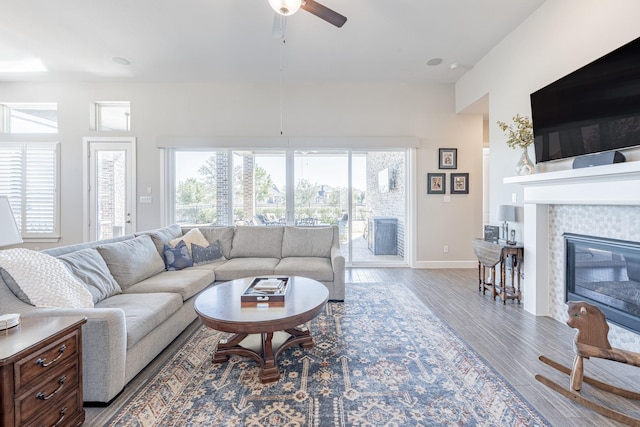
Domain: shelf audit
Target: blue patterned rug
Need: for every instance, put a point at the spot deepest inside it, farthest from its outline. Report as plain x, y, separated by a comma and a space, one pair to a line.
378, 361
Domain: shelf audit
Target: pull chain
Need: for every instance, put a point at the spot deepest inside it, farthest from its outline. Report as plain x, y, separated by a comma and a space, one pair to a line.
281, 84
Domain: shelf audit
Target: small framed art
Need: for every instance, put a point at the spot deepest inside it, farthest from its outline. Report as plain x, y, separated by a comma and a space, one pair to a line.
436, 183
448, 158
459, 183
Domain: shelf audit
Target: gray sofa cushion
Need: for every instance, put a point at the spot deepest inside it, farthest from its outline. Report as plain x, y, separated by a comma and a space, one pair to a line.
142, 318
312, 267
89, 267
237, 268
186, 283
132, 260
259, 242
222, 234
307, 242
162, 236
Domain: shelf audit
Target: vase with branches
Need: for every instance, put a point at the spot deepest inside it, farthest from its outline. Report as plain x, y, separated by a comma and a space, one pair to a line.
520, 134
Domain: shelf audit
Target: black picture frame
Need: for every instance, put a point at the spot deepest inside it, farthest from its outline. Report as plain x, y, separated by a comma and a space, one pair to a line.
436, 183
491, 233
459, 183
447, 158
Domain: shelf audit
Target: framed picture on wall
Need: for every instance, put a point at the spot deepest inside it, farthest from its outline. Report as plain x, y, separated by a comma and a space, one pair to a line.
448, 158
459, 183
436, 183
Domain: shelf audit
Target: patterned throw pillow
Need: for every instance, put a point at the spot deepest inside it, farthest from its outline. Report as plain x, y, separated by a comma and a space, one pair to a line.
211, 253
177, 258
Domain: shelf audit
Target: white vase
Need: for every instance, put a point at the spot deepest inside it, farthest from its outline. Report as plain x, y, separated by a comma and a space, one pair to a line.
525, 166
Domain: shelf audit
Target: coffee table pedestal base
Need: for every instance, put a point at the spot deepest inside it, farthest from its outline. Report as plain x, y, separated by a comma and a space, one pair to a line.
266, 356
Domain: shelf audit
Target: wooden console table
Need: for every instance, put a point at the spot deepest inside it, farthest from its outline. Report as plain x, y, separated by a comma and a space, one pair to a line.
41, 372
490, 254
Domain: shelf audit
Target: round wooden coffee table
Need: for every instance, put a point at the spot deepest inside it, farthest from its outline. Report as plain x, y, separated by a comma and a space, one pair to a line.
219, 308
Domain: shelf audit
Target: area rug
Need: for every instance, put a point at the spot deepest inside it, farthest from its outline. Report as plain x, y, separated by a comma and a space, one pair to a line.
381, 358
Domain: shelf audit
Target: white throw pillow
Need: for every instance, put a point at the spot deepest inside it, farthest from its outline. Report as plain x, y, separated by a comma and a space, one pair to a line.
44, 279
193, 236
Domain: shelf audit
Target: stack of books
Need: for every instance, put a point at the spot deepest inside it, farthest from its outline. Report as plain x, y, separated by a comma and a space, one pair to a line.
269, 285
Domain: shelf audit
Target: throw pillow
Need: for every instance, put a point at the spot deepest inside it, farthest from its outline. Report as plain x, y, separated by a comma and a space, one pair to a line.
177, 258
14, 287
44, 279
89, 267
211, 253
193, 236
132, 260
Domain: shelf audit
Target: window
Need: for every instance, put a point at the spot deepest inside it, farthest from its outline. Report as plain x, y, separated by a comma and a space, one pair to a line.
363, 192
111, 116
28, 176
29, 118
29, 167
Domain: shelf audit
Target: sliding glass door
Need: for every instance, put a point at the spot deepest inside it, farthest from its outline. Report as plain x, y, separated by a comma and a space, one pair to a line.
363, 192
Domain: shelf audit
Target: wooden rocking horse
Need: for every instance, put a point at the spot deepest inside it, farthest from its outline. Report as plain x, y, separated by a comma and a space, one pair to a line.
591, 341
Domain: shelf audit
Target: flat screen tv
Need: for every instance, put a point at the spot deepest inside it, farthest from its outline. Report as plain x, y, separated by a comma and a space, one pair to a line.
594, 109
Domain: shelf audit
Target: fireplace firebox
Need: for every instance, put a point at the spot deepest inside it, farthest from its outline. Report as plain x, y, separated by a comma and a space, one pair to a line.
604, 272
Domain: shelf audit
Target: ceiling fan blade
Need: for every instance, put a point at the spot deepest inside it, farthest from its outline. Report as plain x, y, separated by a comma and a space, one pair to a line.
279, 26
324, 12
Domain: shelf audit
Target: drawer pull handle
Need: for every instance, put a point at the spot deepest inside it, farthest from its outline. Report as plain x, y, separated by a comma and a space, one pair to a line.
63, 411
41, 395
42, 362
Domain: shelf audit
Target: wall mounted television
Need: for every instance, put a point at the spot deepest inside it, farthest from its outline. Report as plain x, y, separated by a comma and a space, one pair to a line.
594, 109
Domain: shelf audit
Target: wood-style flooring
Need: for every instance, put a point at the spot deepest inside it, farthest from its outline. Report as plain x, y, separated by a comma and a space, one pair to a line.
506, 336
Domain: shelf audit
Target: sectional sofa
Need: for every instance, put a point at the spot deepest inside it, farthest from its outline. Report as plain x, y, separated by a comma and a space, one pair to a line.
143, 287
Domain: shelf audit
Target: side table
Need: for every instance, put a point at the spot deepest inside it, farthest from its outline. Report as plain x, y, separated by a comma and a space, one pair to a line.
41, 372
490, 254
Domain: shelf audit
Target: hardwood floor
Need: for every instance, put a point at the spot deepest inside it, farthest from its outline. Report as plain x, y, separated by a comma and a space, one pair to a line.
506, 336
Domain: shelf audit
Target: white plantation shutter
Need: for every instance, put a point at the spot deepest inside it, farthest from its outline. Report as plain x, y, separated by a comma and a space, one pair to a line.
28, 176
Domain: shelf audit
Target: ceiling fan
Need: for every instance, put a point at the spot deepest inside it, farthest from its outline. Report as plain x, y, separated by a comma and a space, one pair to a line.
289, 7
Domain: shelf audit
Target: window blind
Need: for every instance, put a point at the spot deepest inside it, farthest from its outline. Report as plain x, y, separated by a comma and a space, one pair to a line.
28, 176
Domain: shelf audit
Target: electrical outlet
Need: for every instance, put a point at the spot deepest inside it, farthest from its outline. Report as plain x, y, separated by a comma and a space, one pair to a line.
446, 249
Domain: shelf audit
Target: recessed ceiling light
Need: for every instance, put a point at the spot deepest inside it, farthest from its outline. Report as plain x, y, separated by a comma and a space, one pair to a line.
120, 60
434, 61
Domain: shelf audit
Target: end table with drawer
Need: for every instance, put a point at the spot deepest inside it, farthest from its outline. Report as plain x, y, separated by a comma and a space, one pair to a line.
41, 372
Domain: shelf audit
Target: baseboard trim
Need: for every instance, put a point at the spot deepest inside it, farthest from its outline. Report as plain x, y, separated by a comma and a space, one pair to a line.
445, 264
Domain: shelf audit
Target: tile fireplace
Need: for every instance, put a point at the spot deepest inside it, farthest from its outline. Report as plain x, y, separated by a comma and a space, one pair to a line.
602, 201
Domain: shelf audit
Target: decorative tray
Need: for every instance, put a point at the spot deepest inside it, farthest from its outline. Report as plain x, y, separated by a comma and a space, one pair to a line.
265, 291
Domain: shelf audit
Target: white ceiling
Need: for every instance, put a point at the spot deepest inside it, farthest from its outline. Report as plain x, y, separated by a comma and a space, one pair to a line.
231, 40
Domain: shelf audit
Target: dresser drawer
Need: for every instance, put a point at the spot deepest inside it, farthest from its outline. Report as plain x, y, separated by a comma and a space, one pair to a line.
67, 412
39, 363
48, 392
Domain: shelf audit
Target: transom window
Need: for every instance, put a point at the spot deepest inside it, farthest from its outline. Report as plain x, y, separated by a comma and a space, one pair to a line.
29, 118
111, 116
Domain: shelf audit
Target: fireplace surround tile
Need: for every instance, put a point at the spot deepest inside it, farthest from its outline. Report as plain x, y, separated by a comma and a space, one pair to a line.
611, 221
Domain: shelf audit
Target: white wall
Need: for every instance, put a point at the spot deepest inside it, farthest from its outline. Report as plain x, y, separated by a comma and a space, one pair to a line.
558, 38
333, 111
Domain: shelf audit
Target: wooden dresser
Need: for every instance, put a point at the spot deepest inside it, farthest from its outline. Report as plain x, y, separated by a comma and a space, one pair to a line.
41, 373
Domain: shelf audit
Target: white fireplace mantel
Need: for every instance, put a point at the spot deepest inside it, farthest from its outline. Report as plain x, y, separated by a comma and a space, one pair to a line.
617, 184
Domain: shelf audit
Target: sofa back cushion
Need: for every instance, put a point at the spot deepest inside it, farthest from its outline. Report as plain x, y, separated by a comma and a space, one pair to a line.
258, 242
224, 235
162, 236
132, 260
307, 242
89, 268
